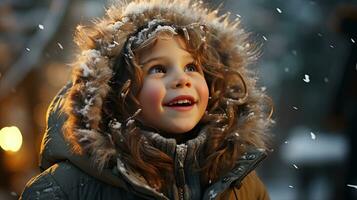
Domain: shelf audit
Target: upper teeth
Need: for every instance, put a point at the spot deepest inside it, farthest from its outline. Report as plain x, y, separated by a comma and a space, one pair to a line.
180, 102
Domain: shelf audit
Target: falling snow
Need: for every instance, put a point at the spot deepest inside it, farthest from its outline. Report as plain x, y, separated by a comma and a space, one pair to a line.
28, 49
263, 88
290, 186
319, 34
332, 46
352, 186
306, 78
353, 41
41, 26
286, 69
295, 166
313, 136
279, 10
60, 45
286, 142
295, 108
265, 38
326, 80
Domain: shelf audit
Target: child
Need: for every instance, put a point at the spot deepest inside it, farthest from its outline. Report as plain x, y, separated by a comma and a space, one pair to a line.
161, 106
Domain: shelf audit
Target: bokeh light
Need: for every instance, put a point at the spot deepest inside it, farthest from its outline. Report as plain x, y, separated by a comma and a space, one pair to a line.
10, 138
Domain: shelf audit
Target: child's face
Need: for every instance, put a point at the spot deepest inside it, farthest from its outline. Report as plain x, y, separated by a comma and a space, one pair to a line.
174, 95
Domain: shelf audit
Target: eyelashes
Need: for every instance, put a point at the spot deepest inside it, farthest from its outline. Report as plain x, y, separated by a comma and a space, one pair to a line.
162, 69
192, 67
157, 69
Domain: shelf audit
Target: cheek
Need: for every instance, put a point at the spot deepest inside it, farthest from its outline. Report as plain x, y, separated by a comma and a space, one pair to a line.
203, 91
151, 94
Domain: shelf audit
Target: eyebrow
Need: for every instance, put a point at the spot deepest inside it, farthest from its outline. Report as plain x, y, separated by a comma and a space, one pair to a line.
153, 59
187, 56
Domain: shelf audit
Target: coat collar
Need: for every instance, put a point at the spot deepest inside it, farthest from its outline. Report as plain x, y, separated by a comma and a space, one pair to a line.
244, 165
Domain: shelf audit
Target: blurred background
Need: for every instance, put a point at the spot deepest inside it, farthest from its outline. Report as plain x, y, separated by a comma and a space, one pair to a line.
308, 66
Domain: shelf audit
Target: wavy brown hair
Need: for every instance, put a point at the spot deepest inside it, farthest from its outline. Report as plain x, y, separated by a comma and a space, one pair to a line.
235, 107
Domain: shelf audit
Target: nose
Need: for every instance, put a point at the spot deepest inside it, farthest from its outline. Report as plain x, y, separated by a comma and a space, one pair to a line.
181, 80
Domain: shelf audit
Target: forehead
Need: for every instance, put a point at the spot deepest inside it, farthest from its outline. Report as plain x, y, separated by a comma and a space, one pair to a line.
164, 47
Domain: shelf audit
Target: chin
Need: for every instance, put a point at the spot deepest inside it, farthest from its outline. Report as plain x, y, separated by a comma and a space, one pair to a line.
181, 129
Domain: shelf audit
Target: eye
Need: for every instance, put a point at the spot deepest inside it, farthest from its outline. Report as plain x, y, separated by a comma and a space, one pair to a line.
192, 67
156, 69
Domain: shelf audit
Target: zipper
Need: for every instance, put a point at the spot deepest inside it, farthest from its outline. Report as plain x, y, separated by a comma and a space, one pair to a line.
181, 193
181, 151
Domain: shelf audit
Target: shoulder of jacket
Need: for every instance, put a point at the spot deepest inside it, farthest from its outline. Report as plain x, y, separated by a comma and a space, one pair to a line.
56, 182
251, 188
43, 186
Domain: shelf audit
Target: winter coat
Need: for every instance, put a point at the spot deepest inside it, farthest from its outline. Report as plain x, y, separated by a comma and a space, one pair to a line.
71, 176
73, 161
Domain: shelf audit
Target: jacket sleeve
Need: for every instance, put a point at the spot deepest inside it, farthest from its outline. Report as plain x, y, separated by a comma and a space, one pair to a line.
252, 188
42, 187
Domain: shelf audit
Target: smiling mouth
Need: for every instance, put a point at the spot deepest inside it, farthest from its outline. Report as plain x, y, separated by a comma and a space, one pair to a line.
181, 101
181, 107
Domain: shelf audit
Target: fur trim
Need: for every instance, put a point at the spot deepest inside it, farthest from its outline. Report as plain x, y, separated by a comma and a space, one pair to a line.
104, 41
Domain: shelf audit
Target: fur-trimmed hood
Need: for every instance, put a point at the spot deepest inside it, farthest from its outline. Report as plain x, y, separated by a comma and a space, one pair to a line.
102, 43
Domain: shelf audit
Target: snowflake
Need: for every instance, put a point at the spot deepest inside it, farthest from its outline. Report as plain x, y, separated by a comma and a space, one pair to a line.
313, 136
352, 186
60, 45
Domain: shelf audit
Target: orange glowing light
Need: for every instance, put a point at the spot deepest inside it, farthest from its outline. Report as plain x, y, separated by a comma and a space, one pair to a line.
10, 138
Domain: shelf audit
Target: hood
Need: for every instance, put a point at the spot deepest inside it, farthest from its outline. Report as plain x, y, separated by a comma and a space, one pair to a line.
55, 148
79, 105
